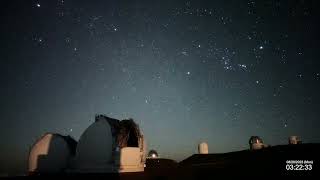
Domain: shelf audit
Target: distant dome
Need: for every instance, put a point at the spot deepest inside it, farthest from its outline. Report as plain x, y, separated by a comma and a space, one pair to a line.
255, 143
203, 148
153, 154
51, 153
294, 140
255, 140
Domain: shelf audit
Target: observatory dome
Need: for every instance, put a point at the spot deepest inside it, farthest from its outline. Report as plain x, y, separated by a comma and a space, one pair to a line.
294, 140
203, 148
153, 154
110, 145
95, 146
51, 154
255, 143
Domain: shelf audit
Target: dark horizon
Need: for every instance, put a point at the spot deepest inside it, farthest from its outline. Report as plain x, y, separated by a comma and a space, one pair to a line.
185, 71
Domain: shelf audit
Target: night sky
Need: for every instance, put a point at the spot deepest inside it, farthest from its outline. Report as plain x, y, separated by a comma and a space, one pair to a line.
185, 71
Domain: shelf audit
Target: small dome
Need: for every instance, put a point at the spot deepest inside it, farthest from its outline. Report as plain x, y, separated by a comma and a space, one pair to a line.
203, 148
255, 143
153, 154
294, 140
255, 140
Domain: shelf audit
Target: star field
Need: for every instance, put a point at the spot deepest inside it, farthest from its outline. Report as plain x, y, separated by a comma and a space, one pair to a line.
186, 71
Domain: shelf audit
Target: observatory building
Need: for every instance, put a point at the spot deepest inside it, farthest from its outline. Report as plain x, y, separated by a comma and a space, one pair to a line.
153, 154
203, 148
106, 146
110, 145
256, 143
294, 140
51, 154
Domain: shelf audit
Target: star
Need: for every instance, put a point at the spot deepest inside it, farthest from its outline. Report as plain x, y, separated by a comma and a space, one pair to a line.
188, 73
242, 66
261, 47
38, 5
257, 82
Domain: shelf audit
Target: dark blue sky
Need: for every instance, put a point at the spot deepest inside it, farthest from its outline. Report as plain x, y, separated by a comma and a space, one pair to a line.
186, 71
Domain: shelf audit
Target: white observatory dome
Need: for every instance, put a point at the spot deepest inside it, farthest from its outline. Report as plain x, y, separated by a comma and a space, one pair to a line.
294, 140
94, 149
51, 154
110, 145
153, 154
256, 143
203, 148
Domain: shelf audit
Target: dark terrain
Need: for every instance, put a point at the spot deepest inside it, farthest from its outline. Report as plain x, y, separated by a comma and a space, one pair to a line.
265, 162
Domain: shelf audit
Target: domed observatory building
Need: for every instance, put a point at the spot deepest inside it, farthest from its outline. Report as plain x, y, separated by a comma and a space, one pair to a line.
153, 154
51, 154
203, 148
256, 143
110, 145
294, 140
